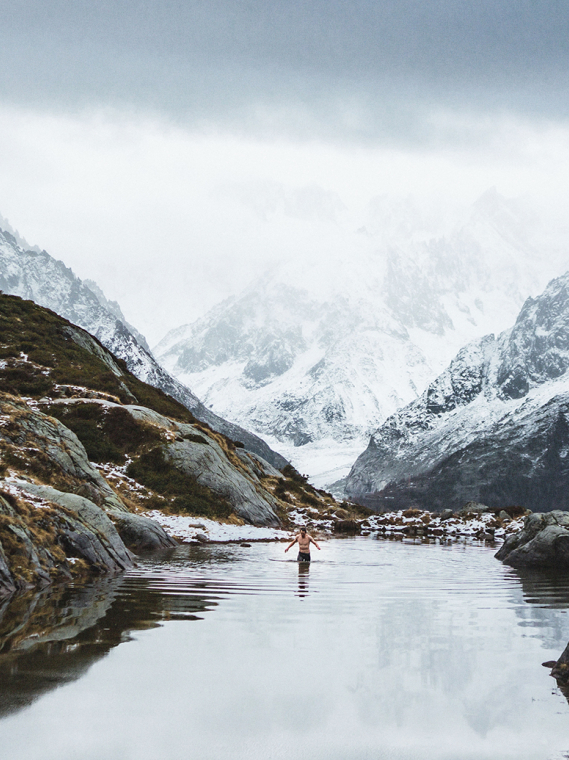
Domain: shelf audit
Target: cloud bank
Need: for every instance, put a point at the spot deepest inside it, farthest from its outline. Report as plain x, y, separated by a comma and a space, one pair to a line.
367, 70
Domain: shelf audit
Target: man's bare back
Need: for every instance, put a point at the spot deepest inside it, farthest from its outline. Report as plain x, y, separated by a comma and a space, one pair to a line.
303, 539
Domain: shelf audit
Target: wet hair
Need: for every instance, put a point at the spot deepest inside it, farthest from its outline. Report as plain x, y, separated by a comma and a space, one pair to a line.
303, 529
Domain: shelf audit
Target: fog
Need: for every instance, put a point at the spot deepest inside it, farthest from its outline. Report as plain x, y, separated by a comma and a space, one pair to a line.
171, 151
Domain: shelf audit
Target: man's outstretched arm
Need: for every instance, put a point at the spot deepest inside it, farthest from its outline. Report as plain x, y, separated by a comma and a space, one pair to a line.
312, 541
291, 544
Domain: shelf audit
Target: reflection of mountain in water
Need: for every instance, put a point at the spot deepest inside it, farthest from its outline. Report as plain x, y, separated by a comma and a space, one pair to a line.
543, 591
52, 637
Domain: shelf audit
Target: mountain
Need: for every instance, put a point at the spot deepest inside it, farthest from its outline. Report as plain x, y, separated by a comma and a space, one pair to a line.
35, 275
493, 427
87, 449
316, 354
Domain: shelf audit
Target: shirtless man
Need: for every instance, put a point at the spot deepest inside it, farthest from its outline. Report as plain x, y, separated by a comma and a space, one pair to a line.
304, 540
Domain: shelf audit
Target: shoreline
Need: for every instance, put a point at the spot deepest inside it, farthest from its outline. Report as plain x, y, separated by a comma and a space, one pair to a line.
404, 523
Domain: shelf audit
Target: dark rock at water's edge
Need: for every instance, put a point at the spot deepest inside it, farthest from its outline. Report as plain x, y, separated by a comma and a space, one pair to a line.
493, 428
560, 671
141, 534
62, 538
542, 543
347, 526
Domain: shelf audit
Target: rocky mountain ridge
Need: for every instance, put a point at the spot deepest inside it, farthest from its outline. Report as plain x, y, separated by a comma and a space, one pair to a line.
35, 275
493, 427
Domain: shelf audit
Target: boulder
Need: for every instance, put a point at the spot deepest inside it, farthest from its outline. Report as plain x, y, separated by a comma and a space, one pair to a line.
88, 532
140, 533
560, 671
211, 467
347, 526
55, 451
542, 543
46, 535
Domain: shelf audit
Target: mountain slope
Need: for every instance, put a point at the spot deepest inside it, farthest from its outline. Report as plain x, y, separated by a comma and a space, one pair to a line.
87, 449
319, 353
37, 276
494, 427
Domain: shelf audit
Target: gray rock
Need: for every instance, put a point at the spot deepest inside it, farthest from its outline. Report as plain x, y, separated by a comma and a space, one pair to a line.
260, 466
210, 466
503, 515
446, 514
474, 507
72, 523
140, 533
90, 534
201, 538
65, 453
542, 543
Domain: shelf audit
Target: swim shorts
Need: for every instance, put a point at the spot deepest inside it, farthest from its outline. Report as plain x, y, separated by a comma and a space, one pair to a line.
303, 557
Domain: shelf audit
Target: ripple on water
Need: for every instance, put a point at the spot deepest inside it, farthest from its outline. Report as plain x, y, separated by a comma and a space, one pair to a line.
415, 651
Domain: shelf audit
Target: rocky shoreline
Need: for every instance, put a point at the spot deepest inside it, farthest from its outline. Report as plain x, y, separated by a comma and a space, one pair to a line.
475, 521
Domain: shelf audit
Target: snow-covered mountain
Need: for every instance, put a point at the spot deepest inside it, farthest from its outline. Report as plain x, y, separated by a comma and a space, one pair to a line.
316, 354
37, 276
493, 427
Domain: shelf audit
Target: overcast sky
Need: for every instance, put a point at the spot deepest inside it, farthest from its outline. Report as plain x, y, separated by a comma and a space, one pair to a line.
170, 149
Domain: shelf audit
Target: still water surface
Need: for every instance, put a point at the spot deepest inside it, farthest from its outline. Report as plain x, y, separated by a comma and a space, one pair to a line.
377, 650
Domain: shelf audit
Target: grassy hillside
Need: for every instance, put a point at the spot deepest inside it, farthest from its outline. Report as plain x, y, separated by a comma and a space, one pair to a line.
57, 362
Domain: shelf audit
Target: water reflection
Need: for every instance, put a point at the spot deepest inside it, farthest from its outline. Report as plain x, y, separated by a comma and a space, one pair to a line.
52, 637
427, 652
303, 575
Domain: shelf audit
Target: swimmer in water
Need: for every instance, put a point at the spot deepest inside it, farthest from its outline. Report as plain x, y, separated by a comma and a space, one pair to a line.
303, 539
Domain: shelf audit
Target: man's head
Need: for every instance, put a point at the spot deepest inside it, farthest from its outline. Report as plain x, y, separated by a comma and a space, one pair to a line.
303, 531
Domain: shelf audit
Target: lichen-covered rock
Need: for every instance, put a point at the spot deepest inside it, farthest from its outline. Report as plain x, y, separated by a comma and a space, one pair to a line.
210, 467
542, 543
232, 474
50, 450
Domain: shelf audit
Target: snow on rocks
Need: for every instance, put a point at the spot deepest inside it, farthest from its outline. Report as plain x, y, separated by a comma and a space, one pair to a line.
411, 523
469, 524
187, 528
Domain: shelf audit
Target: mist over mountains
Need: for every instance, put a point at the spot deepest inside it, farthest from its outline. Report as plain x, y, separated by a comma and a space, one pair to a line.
35, 275
315, 355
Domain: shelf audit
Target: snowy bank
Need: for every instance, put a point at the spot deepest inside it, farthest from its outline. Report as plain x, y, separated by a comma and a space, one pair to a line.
186, 528
411, 523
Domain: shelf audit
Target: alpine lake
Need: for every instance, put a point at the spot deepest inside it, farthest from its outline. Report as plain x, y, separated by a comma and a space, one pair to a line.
379, 649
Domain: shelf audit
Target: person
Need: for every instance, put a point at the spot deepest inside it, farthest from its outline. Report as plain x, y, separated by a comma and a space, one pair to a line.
303, 539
